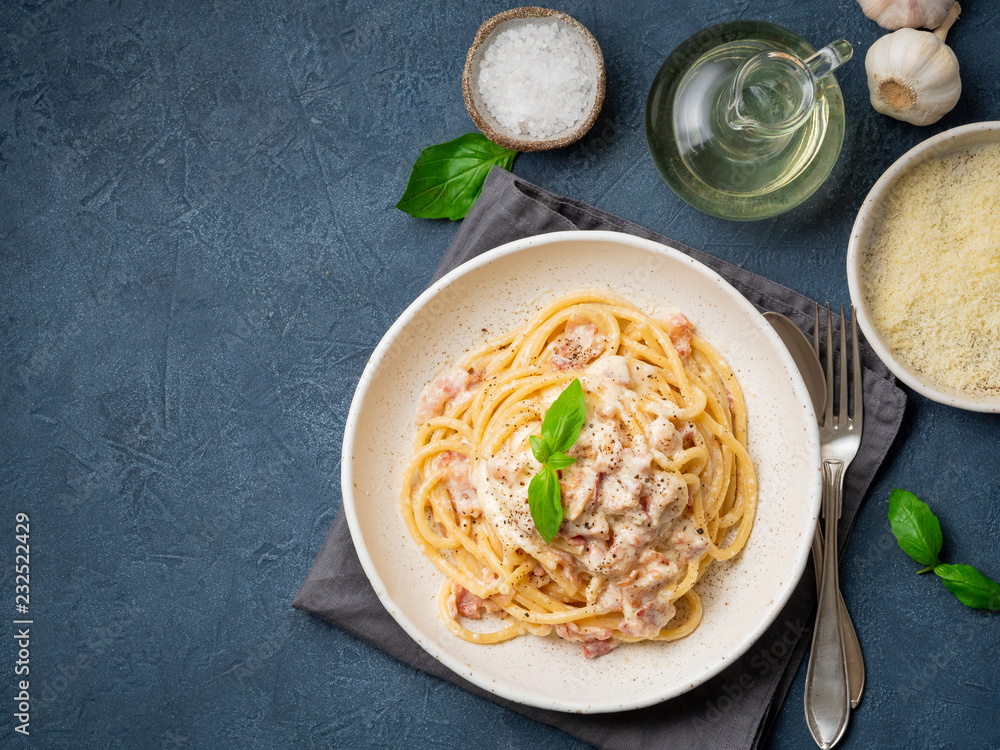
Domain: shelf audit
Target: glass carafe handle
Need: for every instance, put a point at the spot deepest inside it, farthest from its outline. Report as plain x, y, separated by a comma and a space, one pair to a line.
828, 59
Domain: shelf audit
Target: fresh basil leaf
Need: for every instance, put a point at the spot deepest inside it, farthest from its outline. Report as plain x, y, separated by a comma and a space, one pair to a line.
560, 460
560, 429
540, 449
970, 586
545, 502
916, 528
564, 419
447, 178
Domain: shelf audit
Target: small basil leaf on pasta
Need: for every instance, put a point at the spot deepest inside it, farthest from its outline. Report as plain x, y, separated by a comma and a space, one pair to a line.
970, 586
560, 461
545, 501
915, 527
539, 448
564, 419
447, 178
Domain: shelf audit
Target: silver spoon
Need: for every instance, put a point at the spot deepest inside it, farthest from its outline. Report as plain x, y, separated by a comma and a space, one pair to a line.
805, 358
812, 373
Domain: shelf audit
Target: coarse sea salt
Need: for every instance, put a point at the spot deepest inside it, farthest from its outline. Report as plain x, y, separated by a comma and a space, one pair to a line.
537, 79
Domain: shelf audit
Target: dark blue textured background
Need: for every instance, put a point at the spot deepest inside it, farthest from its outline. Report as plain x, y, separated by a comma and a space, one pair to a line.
199, 252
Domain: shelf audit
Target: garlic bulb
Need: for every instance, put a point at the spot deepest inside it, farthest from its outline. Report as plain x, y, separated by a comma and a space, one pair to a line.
908, 14
913, 75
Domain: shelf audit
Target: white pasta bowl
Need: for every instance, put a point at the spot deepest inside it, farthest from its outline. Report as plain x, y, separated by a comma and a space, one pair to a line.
499, 291
942, 144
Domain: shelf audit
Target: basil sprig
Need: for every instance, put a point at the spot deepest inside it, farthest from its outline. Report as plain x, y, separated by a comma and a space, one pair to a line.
918, 532
560, 430
447, 178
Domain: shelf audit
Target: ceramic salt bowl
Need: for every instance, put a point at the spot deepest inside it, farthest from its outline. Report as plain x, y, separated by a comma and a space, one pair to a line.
481, 115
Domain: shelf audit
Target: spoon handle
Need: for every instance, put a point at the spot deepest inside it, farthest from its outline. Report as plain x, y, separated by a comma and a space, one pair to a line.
852, 646
827, 702
852, 652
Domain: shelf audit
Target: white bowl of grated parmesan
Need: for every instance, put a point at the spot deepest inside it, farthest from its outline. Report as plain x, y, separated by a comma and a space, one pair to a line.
923, 266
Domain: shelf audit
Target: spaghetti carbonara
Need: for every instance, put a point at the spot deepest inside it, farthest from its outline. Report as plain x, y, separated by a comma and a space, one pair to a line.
662, 485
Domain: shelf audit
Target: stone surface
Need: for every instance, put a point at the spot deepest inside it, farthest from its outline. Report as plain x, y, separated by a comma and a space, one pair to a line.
198, 252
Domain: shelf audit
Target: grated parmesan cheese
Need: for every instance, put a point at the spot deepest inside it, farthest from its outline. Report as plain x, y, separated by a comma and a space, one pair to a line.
932, 269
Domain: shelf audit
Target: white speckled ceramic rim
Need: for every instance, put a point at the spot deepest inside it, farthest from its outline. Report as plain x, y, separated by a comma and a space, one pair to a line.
965, 136
545, 667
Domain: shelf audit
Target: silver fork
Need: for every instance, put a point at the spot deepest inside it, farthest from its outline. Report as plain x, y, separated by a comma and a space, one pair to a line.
852, 647
827, 697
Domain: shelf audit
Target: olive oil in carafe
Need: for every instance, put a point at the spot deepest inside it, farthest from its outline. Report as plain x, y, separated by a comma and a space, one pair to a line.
744, 160
735, 125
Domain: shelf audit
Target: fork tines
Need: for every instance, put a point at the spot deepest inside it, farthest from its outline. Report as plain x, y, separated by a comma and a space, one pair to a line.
836, 381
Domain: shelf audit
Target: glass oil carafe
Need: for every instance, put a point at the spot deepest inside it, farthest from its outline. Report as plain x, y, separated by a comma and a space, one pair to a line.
744, 120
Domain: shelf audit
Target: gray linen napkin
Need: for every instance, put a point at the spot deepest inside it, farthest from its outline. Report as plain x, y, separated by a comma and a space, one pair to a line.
735, 708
